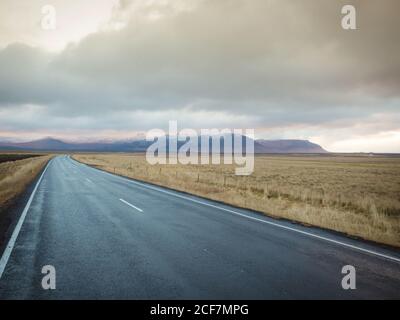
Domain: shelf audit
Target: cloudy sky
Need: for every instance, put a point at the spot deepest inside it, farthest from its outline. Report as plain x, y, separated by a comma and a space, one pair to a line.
116, 68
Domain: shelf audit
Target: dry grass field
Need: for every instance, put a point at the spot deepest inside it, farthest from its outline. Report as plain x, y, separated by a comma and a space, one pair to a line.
357, 195
16, 175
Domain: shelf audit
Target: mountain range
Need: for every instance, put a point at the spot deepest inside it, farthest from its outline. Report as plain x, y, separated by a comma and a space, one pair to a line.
51, 144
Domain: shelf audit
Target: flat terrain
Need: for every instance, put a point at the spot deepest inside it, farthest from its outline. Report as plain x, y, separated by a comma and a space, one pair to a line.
17, 171
357, 195
111, 237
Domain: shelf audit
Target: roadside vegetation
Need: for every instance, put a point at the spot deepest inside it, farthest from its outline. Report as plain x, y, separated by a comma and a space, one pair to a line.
356, 195
17, 171
5, 157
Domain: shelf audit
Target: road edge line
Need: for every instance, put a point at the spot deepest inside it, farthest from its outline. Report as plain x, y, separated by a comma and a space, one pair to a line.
172, 193
11, 243
381, 255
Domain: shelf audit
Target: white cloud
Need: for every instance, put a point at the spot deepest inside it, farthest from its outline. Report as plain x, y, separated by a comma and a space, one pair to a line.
384, 142
20, 21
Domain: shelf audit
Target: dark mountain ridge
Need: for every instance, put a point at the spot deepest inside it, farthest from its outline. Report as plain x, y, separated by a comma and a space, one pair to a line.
260, 146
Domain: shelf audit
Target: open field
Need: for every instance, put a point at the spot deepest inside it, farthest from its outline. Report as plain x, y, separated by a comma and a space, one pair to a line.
17, 174
357, 195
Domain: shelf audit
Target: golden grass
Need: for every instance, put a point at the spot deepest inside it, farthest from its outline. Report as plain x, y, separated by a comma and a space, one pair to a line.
359, 196
15, 176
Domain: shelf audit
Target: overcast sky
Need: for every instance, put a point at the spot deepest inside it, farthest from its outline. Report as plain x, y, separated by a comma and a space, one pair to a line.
114, 69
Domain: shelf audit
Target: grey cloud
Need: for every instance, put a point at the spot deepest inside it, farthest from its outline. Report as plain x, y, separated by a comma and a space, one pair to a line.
282, 62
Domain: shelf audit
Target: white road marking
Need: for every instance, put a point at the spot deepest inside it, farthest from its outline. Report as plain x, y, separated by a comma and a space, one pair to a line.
340, 243
11, 243
131, 205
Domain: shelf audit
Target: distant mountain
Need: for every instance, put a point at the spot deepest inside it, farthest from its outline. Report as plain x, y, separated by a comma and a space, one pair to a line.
260, 146
287, 146
44, 144
50, 144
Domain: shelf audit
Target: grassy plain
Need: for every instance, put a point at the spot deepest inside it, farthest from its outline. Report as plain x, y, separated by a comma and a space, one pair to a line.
356, 195
17, 171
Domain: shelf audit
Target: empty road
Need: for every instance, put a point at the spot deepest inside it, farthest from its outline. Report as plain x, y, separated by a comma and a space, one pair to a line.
111, 237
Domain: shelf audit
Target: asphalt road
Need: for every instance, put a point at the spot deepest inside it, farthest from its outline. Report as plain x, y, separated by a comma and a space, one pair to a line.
111, 237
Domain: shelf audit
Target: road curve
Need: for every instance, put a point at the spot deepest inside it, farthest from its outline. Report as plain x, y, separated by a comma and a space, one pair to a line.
109, 237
